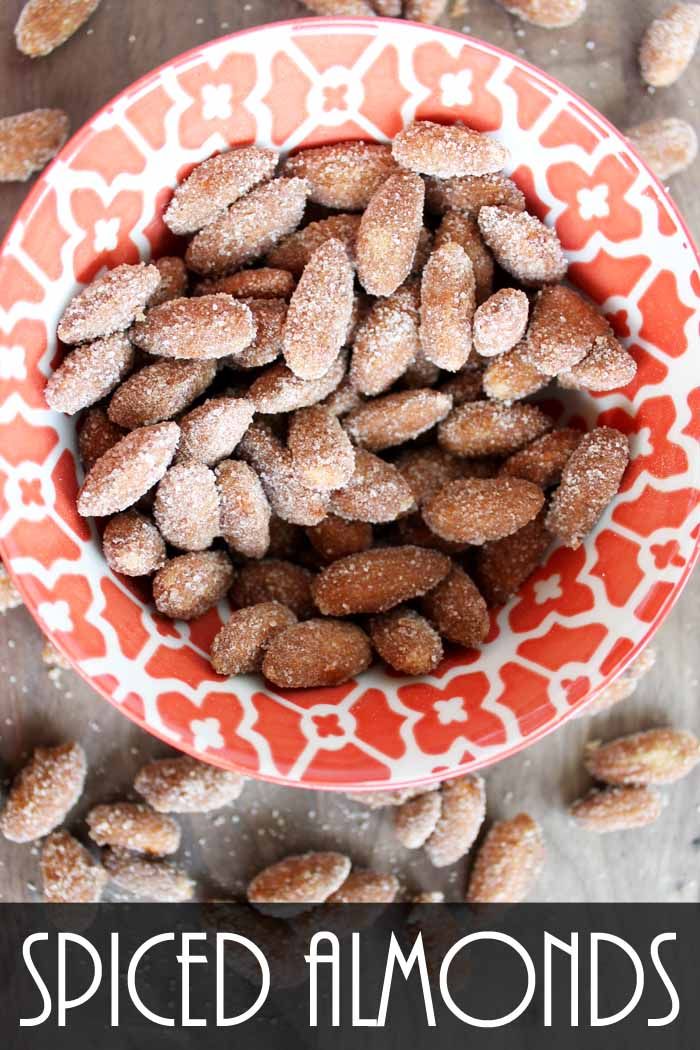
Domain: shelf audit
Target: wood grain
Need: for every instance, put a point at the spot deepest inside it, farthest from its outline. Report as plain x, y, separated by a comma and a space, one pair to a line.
597, 58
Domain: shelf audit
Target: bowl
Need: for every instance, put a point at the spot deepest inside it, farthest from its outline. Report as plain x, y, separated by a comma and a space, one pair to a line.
584, 614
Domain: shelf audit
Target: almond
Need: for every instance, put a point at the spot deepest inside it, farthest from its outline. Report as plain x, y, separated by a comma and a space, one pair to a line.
182, 784
448, 301
461, 815
43, 792
109, 304
549, 14
132, 545
319, 312
563, 329
389, 232
294, 251
69, 873
244, 513
476, 510
210, 326
240, 645
28, 141
269, 318
415, 820
344, 175
669, 44
215, 184
249, 228
274, 580
309, 878
458, 610
44, 25
279, 390
375, 493
668, 145
316, 653
522, 245
500, 322
128, 470
502, 566
447, 150
159, 392
396, 418
484, 428
406, 642
97, 435
470, 193
543, 461
510, 376
89, 373
267, 282
274, 465
617, 809
386, 341
191, 584
149, 880
173, 280
590, 480
131, 825
210, 432
508, 863
334, 538
607, 366
463, 229
322, 454
186, 508
377, 580
657, 756
366, 887
623, 686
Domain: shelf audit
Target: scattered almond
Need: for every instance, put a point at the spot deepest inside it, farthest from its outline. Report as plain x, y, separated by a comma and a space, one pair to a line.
426, 11
508, 862
657, 756
549, 14
44, 25
69, 873
366, 887
669, 44
415, 820
623, 686
617, 809
309, 878
668, 145
182, 784
150, 880
316, 653
134, 826
43, 792
28, 141
461, 815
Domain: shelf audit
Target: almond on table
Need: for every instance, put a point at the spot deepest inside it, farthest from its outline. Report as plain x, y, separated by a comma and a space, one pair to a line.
458, 610
669, 44
274, 580
132, 545
158, 392
463, 229
415, 820
448, 301
510, 376
89, 373
377, 580
147, 879
319, 312
344, 175
43, 792
462, 813
447, 150
388, 234
134, 826
406, 641
28, 141
469, 193
316, 653
656, 756
375, 493
109, 304
502, 566
322, 453
266, 282
393, 419
543, 461
476, 510
668, 145
69, 872
486, 428
240, 645
44, 25
244, 512
386, 341
616, 809
128, 470
334, 538
508, 862
500, 322
549, 14
210, 326
215, 184
210, 432
308, 878
186, 508
522, 245
294, 251
590, 479
190, 584
182, 784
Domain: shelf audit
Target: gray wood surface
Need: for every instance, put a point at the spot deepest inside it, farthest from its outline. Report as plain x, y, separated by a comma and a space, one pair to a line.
597, 58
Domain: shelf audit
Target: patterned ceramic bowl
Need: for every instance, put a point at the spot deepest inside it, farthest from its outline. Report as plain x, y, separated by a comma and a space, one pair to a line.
582, 616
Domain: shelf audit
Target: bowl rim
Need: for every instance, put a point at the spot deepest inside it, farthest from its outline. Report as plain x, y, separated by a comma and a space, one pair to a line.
330, 23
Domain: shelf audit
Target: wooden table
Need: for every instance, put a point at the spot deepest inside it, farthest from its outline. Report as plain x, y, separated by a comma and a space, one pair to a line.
597, 58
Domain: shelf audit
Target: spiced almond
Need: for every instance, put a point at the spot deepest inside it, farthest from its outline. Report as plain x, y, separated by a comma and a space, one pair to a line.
316, 653
377, 580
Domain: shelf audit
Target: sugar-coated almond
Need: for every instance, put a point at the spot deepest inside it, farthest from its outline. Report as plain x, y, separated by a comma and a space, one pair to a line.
607, 366
155, 881
447, 150
158, 392
203, 328
69, 872
269, 318
669, 44
334, 538
319, 312
508, 863
668, 145
274, 580
375, 493
134, 826
211, 431
406, 642
173, 280
132, 545
96, 436
189, 585
244, 512
274, 465
294, 251
617, 809
317, 653
127, 470
470, 193
89, 373
623, 686
476, 510
590, 480
44, 25
549, 14
426, 470
657, 756
462, 229
308, 878
386, 341
377, 580
461, 816
279, 390
215, 184
343, 175
510, 376
502, 566
563, 329
43, 792
465, 385
389, 232
182, 784
249, 228
28, 141
366, 887
109, 304
239, 646
186, 508
426, 11
415, 820
486, 428
500, 322
522, 245
447, 304
544, 460
393, 419
322, 453
458, 610
267, 282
